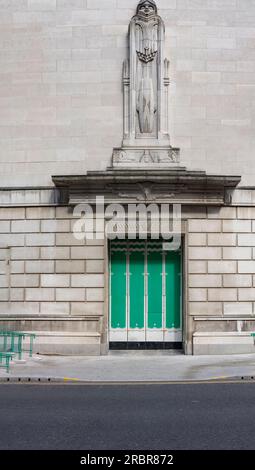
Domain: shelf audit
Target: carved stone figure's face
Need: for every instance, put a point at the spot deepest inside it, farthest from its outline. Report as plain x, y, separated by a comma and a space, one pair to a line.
147, 9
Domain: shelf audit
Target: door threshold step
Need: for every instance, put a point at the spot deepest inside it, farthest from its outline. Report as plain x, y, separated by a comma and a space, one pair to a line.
145, 346
145, 352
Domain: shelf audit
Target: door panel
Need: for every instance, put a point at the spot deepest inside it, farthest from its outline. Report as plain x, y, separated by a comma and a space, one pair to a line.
173, 289
154, 263
118, 296
136, 289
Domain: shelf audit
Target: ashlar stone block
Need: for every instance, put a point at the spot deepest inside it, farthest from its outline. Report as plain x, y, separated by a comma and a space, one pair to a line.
205, 280
198, 295
70, 295
36, 295
87, 253
236, 226
95, 295
87, 308
95, 266
12, 213
197, 267
223, 267
237, 280
204, 253
55, 280
55, 253
237, 253
25, 226
54, 308
246, 267
4, 226
197, 239
39, 267
40, 213
87, 280
222, 239
25, 253
24, 280
55, 226
204, 225
246, 239
40, 239
222, 294
74, 266
246, 294
238, 308
205, 308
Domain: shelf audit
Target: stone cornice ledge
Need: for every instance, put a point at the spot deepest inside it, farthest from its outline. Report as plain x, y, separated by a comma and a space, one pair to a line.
177, 185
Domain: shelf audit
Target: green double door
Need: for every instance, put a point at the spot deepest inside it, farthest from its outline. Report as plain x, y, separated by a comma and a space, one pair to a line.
145, 292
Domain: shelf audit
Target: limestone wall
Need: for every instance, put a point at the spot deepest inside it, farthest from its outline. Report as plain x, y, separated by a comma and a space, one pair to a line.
222, 263
52, 282
45, 271
44, 268
61, 94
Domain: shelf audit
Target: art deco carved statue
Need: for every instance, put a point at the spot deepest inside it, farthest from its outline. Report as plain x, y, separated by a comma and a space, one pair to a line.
146, 81
146, 32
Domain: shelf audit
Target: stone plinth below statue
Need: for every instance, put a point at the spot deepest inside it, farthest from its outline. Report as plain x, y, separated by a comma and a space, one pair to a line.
153, 157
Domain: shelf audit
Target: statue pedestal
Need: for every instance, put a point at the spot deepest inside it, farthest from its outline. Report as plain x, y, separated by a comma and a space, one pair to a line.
150, 157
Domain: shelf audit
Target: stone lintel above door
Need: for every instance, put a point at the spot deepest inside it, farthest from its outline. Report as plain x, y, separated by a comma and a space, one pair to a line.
176, 185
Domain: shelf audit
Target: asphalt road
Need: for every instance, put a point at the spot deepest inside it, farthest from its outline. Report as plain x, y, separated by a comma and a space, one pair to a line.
106, 417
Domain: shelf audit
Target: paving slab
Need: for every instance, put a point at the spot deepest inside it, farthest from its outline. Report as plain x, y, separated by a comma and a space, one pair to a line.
133, 367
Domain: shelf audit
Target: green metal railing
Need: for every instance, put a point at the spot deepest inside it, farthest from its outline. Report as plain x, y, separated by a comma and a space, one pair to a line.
31, 337
11, 343
7, 356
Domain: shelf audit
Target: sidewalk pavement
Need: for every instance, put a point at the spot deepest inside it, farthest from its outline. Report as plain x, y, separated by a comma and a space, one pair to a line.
132, 367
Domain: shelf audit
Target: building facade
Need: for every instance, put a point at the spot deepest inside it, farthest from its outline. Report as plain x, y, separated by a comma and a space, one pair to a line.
178, 132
